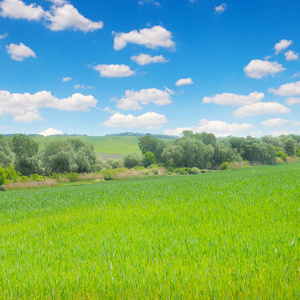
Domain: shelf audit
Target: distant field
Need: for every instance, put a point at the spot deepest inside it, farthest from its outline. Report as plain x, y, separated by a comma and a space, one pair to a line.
102, 144
223, 235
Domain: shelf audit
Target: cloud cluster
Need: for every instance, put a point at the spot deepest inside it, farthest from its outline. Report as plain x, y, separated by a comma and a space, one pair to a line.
234, 100
51, 131
24, 107
279, 122
149, 120
218, 128
154, 37
134, 99
142, 2
61, 16
19, 52
282, 45
66, 79
259, 68
184, 81
260, 108
291, 55
221, 8
3, 36
289, 89
114, 70
145, 59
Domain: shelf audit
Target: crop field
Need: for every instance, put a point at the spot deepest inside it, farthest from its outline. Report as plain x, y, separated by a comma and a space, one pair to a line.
223, 235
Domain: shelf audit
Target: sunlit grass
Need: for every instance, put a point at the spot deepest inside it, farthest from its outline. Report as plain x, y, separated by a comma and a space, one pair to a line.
220, 235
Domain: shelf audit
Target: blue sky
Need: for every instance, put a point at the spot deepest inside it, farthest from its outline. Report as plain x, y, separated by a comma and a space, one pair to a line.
96, 67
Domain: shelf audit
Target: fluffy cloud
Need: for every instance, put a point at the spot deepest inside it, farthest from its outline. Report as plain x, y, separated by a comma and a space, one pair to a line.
282, 45
148, 120
221, 8
24, 107
133, 99
184, 81
234, 100
154, 37
62, 15
114, 70
3, 36
289, 89
65, 79
17, 9
19, 52
145, 59
292, 100
218, 128
261, 108
291, 55
259, 68
142, 2
279, 122
51, 131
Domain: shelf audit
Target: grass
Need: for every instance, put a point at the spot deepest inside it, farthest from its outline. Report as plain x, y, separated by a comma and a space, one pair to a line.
228, 235
103, 144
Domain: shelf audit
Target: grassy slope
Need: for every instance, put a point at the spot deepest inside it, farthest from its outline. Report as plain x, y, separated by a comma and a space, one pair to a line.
103, 144
221, 235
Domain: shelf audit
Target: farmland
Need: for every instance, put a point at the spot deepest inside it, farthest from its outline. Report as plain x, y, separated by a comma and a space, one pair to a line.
218, 235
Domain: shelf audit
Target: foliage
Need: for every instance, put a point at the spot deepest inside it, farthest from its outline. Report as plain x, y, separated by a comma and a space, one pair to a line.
2, 176
290, 146
132, 159
195, 170
72, 176
7, 157
149, 159
224, 166
107, 174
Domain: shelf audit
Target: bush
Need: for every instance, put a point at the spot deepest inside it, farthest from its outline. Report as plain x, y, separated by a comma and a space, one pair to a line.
73, 176
36, 177
2, 176
107, 175
224, 166
155, 172
195, 170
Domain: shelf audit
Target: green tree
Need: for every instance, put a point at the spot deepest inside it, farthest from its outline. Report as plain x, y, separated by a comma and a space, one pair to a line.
132, 159
290, 146
7, 157
149, 159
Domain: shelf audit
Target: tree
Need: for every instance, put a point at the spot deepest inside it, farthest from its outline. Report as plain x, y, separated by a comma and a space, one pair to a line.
24, 146
149, 159
132, 159
149, 143
7, 157
172, 156
290, 146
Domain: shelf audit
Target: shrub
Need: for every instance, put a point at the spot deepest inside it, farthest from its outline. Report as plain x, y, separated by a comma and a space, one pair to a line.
2, 176
107, 175
36, 177
224, 166
195, 170
155, 172
73, 176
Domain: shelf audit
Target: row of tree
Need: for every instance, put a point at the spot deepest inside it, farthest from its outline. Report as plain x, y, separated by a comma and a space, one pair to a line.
200, 150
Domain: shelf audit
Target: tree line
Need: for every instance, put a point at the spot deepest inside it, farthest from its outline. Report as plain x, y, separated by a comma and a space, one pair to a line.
192, 150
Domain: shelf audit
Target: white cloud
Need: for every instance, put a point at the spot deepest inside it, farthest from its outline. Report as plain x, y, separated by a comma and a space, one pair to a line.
218, 128
142, 2
221, 8
282, 45
17, 9
184, 81
260, 108
292, 100
19, 52
274, 122
133, 99
3, 36
109, 110
62, 15
145, 59
148, 120
154, 37
82, 86
24, 107
51, 131
296, 75
279, 122
65, 79
114, 70
259, 68
278, 133
233, 99
65, 16
291, 55
289, 89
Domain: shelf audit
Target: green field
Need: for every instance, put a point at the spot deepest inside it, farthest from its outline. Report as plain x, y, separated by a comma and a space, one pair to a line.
102, 144
223, 235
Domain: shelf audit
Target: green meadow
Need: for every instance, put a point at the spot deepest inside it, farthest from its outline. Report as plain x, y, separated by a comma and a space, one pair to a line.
222, 235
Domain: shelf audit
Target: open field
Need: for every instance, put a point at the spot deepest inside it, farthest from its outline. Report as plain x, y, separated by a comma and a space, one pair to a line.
102, 144
229, 235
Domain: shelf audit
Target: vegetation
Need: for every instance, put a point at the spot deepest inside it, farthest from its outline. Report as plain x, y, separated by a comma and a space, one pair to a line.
223, 235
